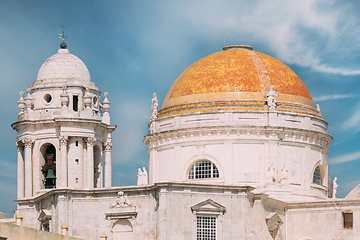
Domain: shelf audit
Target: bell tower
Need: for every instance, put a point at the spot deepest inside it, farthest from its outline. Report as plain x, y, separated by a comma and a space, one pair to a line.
64, 130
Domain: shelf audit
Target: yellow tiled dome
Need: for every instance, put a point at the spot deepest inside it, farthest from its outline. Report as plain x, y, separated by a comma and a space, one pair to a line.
236, 74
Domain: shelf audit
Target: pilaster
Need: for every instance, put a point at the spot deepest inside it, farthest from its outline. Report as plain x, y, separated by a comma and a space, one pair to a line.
63, 176
90, 142
28, 167
108, 148
20, 169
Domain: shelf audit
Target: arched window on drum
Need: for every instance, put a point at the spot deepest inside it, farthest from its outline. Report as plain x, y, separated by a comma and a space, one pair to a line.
203, 169
317, 176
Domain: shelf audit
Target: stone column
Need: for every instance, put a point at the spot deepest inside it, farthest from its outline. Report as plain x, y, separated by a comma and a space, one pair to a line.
108, 147
62, 178
90, 162
20, 170
28, 168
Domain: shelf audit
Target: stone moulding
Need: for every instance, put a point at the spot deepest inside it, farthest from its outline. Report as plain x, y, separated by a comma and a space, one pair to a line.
281, 134
121, 215
208, 206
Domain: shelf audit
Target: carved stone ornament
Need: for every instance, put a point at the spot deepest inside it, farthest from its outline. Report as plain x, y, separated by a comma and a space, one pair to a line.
63, 140
64, 97
106, 102
21, 102
87, 99
108, 146
19, 145
28, 142
29, 100
90, 141
121, 200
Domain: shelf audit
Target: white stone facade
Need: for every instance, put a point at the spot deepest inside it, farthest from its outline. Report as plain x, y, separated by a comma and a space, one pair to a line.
243, 145
254, 172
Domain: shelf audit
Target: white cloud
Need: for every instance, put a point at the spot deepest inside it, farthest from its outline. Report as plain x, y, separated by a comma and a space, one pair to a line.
296, 31
333, 97
354, 120
345, 158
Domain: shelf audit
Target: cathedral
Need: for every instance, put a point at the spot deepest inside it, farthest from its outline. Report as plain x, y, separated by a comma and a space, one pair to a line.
237, 150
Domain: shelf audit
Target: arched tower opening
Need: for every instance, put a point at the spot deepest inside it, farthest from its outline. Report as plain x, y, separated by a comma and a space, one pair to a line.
48, 166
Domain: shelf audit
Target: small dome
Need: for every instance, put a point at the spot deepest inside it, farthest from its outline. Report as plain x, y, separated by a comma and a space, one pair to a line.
236, 74
64, 66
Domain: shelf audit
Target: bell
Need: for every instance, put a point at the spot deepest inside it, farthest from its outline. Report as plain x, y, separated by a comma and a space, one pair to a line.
50, 174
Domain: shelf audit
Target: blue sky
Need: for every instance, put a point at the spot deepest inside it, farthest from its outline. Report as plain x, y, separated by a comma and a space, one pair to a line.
134, 48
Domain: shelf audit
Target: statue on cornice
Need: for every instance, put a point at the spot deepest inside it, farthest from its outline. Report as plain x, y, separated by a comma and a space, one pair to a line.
142, 177
271, 101
154, 107
334, 186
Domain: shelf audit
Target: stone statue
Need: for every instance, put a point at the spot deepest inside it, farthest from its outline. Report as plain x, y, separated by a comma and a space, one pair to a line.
271, 174
145, 176
284, 175
154, 107
334, 188
121, 200
318, 108
142, 177
271, 101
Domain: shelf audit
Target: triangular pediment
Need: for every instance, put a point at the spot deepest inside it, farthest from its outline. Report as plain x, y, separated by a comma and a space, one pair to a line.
44, 215
208, 206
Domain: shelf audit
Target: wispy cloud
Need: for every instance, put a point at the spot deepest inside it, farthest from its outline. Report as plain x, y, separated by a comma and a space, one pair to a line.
297, 32
334, 97
345, 158
8, 169
354, 120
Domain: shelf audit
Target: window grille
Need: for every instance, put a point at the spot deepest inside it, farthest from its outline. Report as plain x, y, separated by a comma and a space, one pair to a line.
317, 176
203, 169
205, 227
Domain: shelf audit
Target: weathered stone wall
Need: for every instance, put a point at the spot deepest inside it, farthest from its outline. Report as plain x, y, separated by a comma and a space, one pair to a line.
14, 232
323, 220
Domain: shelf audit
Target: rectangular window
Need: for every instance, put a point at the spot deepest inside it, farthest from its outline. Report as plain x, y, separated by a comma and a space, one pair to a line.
348, 220
205, 228
75, 103
76, 143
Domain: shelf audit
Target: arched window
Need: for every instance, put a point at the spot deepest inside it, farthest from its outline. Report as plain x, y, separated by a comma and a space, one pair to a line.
203, 169
317, 176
